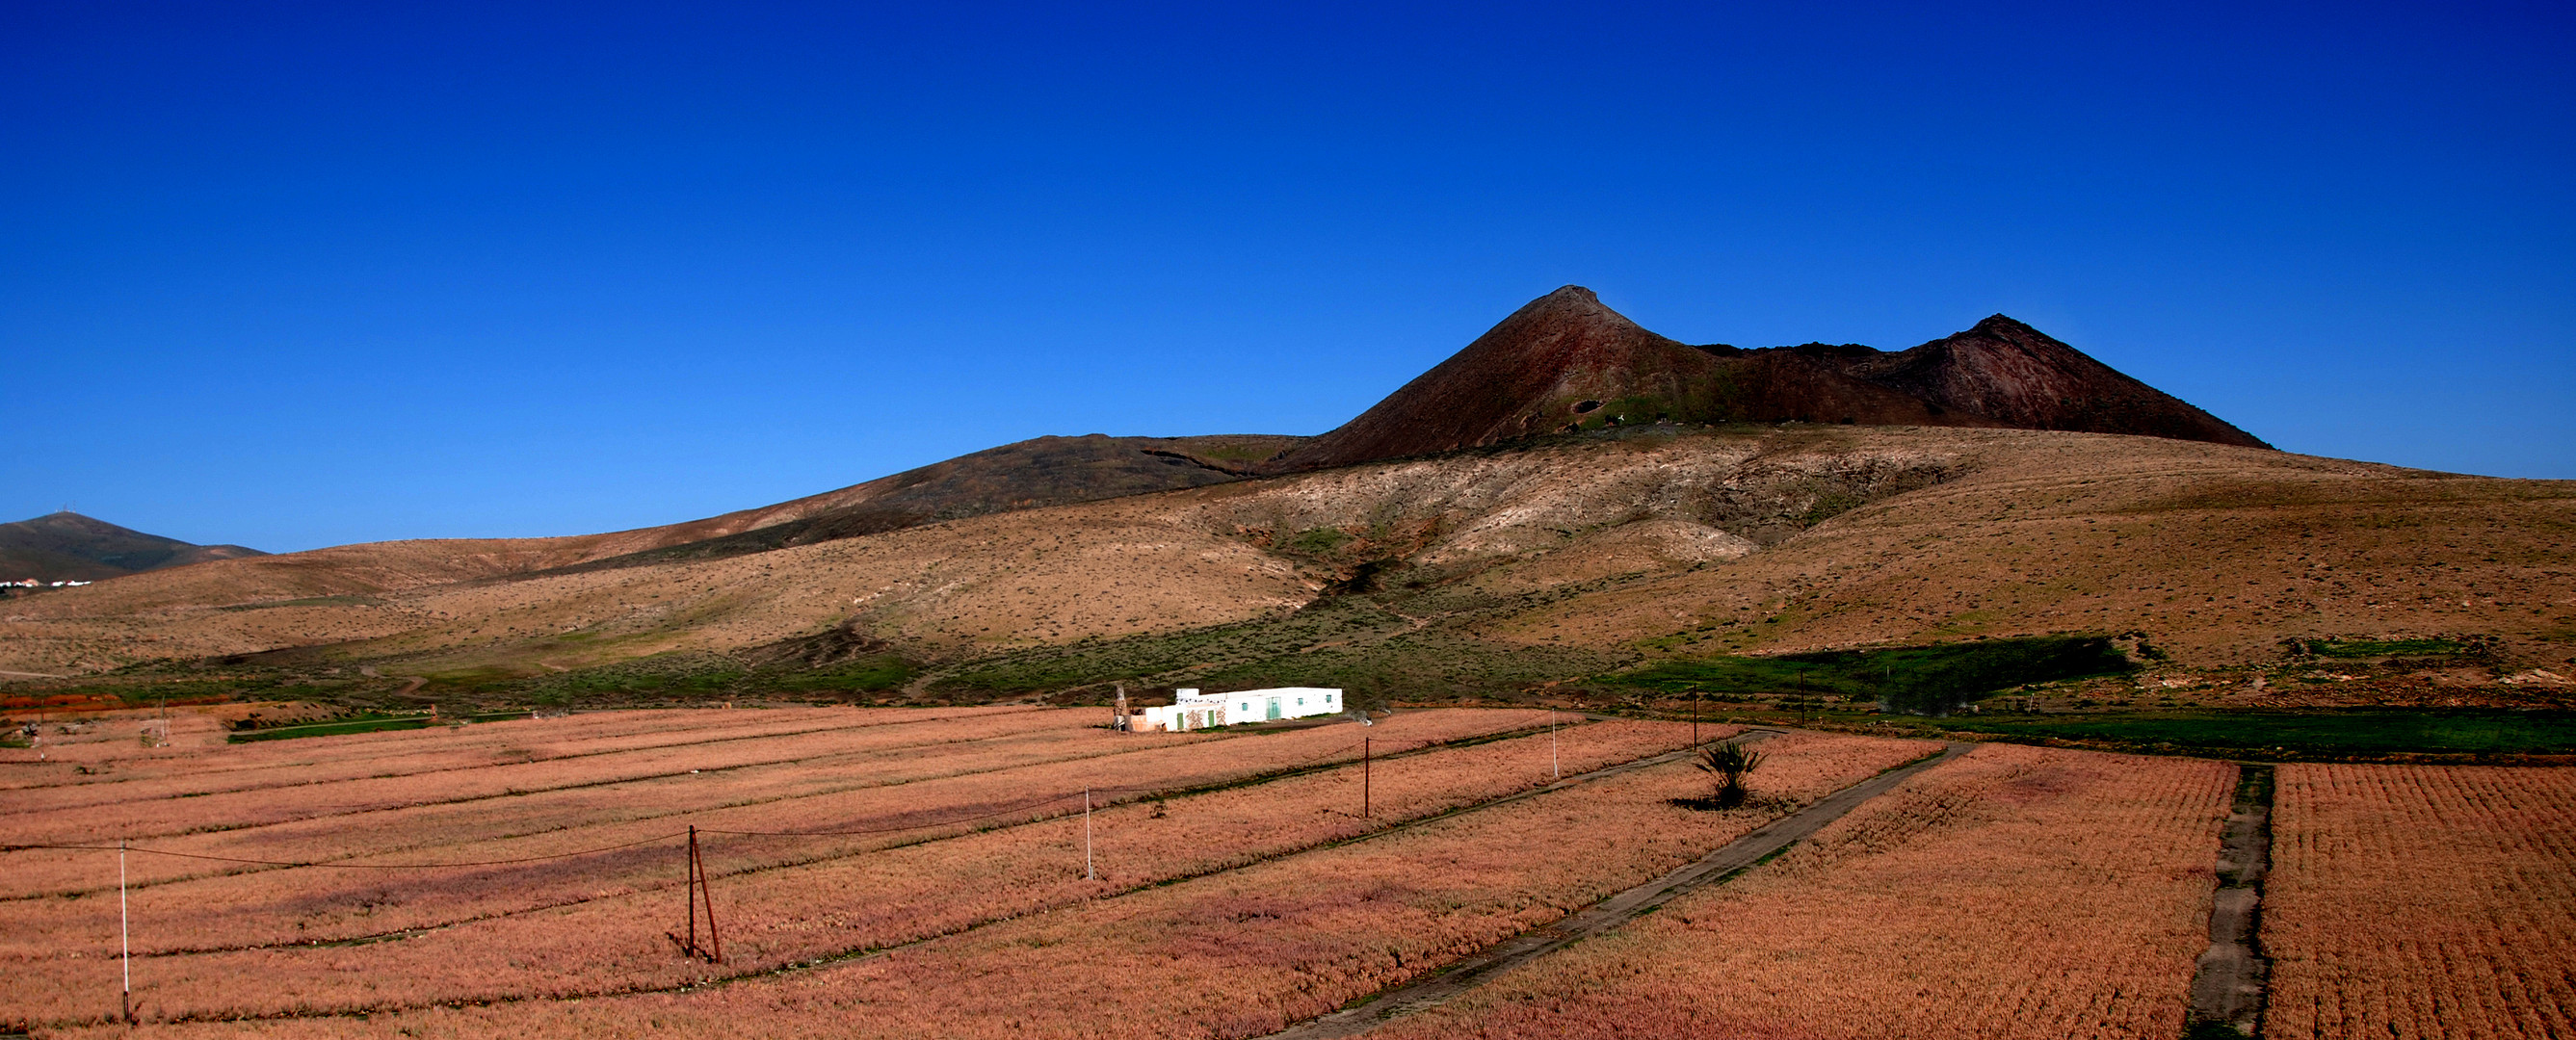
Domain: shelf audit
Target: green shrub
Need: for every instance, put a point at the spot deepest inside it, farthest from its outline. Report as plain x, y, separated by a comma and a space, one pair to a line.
1922, 680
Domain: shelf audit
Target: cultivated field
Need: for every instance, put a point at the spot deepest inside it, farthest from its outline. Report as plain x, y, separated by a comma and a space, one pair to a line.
944, 819
1234, 910
933, 872
2422, 902
2016, 892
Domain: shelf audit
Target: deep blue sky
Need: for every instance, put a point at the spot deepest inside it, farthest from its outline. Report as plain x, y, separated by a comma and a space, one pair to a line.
296, 276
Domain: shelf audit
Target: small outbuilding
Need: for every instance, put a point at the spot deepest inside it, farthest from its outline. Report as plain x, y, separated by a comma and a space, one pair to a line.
1191, 709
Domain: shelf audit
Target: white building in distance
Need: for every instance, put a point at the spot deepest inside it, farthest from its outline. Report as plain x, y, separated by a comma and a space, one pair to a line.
1191, 709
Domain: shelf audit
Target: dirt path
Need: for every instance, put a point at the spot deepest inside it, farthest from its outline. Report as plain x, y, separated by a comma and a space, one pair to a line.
32, 675
2228, 989
1726, 862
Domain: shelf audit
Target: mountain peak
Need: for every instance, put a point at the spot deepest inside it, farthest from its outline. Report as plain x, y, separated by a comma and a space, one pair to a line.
2021, 377
1565, 361
1527, 375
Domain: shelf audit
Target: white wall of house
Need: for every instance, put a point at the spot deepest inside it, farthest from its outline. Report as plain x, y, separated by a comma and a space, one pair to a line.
1191, 709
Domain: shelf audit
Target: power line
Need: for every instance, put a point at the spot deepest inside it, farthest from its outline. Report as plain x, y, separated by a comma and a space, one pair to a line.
1020, 807
842, 832
347, 866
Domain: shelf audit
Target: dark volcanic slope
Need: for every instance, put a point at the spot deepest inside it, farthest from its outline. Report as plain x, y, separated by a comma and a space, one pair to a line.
1567, 362
1047, 471
2020, 377
67, 546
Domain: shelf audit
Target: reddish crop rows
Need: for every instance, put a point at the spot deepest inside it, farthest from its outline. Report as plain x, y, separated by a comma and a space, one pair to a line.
852, 757
464, 762
924, 782
193, 770
808, 911
1232, 953
267, 907
2014, 892
2422, 901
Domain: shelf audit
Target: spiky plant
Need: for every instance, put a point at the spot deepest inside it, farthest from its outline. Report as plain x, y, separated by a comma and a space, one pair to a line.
1729, 763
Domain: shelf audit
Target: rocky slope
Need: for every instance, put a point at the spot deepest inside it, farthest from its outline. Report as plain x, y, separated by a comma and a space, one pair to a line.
1566, 362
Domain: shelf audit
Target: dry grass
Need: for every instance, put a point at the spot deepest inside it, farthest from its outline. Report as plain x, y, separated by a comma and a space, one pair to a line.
2422, 902
2016, 892
804, 911
909, 789
1228, 951
945, 778
845, 741
200, 762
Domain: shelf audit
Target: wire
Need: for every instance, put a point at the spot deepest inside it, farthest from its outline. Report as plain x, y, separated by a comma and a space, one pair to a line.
848, 832
352, 866
1005, 811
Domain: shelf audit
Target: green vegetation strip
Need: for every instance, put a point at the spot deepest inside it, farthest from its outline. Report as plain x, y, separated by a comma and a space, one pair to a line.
1923, 679
2434, 646
2365, 731
364, 724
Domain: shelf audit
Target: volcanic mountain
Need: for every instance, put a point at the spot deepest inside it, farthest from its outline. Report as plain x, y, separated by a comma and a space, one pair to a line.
1030, 474
1634, 499
1566, 362
67, 546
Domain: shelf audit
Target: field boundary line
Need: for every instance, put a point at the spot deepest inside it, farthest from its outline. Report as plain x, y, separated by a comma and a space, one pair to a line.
107, 787
1293, 771
583, 785
1725, 863
639, 819
873, 952
2230, 985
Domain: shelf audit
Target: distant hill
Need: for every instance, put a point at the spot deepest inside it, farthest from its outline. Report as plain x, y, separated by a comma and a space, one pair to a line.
1030, 474
67, 546
1565, 362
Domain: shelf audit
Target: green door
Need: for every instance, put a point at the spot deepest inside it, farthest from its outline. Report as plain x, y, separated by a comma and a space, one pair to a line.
1274, 709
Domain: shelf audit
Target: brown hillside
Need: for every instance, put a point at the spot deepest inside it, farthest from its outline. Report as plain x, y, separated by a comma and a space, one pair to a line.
1046, 471
1566, 362
283, 588
67, 546
1585, 552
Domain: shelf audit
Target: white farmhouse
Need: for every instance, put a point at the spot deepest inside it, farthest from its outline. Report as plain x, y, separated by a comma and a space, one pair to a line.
1191, 709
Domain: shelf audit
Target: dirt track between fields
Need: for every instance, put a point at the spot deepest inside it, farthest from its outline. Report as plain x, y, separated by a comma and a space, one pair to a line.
1732, 858
2229, 986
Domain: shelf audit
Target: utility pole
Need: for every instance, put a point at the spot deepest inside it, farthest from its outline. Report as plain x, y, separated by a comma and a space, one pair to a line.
1364, 778
1087, 873
124, 932
1554, 773
699, 893
1694, 719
